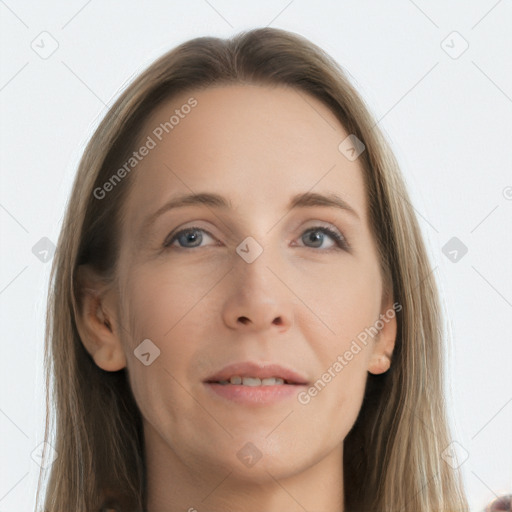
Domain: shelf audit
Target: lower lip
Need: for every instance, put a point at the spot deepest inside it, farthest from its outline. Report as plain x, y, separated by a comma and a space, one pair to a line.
255, 394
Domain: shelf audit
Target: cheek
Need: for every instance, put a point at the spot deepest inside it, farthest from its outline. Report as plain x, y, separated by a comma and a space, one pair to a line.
347, 300
160, 299
346, 297
162, 312
335, 396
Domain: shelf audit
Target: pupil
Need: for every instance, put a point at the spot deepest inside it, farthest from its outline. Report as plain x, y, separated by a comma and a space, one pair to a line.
191, 237
315, 236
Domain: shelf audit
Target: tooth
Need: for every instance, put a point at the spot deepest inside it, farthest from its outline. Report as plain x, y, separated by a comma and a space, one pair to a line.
251, 381
272, 381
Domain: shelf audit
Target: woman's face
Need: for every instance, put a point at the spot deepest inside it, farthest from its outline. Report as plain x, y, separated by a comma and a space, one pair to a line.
255, 282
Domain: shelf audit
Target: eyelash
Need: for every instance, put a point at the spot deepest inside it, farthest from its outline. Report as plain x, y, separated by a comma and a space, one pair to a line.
339, 239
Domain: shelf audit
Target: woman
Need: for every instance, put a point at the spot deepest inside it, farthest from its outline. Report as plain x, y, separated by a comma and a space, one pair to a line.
242, 313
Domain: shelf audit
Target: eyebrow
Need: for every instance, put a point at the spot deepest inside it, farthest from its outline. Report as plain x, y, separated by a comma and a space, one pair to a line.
303, 200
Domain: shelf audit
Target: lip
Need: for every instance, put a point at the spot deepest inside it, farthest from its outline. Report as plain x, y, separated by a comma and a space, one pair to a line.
260, 370
256, 395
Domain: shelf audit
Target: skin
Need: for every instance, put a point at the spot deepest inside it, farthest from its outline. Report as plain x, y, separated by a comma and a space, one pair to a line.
304, 302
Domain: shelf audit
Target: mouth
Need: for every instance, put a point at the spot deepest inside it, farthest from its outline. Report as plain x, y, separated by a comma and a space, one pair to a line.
255, 383
257, 374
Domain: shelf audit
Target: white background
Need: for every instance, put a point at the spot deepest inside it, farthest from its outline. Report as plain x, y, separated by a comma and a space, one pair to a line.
449, 121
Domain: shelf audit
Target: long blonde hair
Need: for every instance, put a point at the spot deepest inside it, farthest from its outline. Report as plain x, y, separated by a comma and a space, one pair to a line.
393, 454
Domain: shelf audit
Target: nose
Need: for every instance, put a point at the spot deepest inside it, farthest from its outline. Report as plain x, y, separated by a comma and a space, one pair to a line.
258, 298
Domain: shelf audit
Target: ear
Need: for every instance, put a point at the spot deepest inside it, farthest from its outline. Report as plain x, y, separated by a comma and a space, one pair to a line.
380, 360
96, 321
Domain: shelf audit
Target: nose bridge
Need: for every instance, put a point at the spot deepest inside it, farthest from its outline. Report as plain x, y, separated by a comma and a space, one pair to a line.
257, 250
257, 297
252, 267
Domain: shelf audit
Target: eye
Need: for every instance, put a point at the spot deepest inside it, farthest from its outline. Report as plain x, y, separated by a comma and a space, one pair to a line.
312, 235
191, 238
190, 235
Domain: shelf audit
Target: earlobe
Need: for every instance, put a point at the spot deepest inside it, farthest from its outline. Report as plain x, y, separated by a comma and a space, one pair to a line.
380, 360
379, 364
109, 358
96, 323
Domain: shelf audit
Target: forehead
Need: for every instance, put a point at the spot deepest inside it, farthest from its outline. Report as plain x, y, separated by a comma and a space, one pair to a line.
258, 145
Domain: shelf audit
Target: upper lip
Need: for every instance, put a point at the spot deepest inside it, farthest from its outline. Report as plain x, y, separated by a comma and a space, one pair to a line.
260, 370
